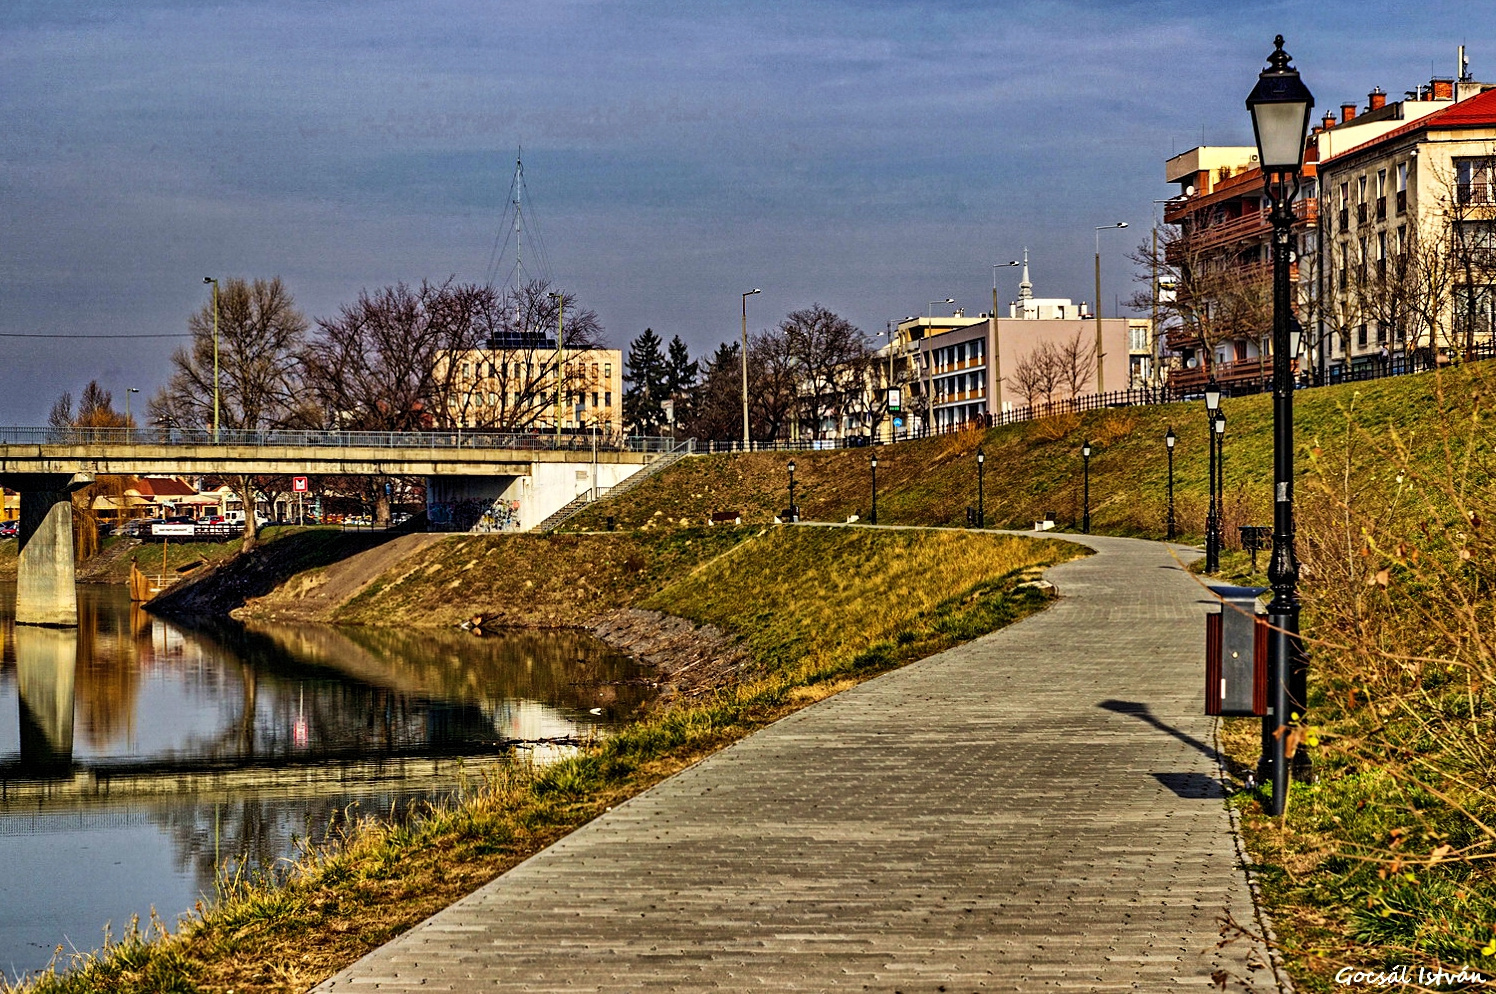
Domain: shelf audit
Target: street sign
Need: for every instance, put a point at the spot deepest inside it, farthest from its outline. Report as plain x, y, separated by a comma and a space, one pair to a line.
898, 422
895, 399
298, 484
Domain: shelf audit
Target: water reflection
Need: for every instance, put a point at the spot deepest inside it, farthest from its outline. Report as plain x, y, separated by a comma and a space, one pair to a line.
232, 745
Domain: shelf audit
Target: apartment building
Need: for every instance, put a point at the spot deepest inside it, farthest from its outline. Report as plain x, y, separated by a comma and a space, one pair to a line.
515, 389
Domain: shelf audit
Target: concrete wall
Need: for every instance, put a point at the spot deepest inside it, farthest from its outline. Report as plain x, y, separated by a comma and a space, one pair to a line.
520, 502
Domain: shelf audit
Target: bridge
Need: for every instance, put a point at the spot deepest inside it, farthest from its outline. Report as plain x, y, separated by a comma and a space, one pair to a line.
476, 480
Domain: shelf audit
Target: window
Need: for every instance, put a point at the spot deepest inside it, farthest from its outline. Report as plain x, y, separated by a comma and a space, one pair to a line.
608, 399
1402, 239
1475, 310
1381, 194
1474, 180
608, 370
1477, 240
1344, 206
1361, 336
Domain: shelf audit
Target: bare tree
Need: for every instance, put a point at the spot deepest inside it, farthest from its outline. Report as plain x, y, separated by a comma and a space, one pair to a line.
717, 412
257, 341
1037, 376
772, 385
830, 358
1076, 362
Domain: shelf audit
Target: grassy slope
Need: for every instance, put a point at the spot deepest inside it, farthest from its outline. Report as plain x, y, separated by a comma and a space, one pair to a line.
1036, 467
799, 598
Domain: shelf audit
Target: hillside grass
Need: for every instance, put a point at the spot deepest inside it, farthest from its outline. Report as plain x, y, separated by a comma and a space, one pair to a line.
798, 598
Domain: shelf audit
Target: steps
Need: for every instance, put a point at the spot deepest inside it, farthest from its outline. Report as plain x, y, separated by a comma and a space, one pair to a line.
572, 509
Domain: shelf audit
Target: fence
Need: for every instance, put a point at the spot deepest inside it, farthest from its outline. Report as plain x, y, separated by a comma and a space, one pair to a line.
287, 438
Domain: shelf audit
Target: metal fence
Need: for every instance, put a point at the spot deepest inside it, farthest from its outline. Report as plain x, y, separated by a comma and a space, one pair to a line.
286, 438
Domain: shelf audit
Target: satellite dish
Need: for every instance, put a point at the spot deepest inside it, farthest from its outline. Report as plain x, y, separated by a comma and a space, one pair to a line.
1189, 191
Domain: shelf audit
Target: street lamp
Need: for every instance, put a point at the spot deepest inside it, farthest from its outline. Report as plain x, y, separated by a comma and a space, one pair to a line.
873, 462
997, 355
981, 517
209, 279
1085, 455
930, 310
794, 515
1100, 380
1212, 537
1220, 484
745, 377
560, 359
1280, 105
1169, 439
128, 392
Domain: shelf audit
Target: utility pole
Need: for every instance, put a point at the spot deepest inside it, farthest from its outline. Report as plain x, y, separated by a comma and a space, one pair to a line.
746, 443
560, 359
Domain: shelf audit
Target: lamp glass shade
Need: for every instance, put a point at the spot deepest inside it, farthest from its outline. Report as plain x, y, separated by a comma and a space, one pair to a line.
1213, 397
1280, 104
1295, 339
874, 461
792, 465
981, 456
1220, 424
1170, 438
1085, 450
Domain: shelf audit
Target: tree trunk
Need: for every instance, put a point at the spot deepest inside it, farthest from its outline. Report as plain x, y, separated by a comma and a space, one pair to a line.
251, 524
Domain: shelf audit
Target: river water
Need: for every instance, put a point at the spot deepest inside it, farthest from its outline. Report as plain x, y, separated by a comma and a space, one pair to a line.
140, 759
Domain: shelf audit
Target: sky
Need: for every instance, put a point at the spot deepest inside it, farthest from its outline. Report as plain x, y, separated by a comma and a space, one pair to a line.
869, 155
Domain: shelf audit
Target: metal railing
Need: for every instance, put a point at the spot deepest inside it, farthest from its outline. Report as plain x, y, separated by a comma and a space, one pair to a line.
287, 438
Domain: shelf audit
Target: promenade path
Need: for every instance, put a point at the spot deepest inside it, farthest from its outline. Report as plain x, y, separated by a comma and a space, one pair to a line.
1034, 810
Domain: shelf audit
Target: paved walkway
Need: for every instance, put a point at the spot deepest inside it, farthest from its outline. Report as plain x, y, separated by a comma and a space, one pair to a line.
1035, 810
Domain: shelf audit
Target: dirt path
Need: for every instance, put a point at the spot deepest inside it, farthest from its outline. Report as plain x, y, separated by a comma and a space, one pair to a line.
315, 594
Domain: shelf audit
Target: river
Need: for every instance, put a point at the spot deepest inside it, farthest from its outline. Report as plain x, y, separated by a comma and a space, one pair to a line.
139, 759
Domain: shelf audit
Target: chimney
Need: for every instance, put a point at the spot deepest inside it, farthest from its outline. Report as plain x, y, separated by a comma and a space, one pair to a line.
1376, 99
1442, 87
1329, 121
1347, 112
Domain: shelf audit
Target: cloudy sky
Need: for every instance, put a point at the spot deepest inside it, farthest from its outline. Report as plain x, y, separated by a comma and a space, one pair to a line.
871, 155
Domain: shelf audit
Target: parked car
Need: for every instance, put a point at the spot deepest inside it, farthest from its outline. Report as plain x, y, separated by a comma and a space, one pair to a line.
10, 529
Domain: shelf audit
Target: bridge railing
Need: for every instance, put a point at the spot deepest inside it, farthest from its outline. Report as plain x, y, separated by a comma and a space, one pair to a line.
282, 437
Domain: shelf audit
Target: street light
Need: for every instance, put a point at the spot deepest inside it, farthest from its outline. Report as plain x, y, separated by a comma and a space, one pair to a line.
745, 377
209, 279
1212, 537
128, 392
1169, 439
981, 518
873, 462
1220, 484
997, 355
1085, 455
794, 516
1280, 105
930, 310
1100, 379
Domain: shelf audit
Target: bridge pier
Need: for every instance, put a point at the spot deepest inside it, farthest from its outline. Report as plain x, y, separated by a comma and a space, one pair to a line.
46, 587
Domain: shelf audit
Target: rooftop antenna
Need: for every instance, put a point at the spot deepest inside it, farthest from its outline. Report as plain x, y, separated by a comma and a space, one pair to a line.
1464, 73
519, 217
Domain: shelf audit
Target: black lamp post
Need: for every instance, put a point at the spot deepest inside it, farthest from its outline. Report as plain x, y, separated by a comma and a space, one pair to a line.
1280, 105
981, 516
1169, 439
794, 514
873, 462
1212, 535
1085, 457
1220, 485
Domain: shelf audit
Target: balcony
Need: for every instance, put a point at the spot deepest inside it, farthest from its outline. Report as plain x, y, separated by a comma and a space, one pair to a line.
1251, 226
1229, 375
1381, 208
1361, 213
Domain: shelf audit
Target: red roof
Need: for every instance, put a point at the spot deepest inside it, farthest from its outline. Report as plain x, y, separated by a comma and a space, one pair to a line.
162, 486
1473, 112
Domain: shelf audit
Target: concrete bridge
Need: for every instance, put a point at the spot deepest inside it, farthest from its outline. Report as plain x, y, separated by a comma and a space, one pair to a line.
484, 481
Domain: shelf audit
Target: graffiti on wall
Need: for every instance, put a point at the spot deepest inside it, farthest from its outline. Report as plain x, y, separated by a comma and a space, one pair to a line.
473, 514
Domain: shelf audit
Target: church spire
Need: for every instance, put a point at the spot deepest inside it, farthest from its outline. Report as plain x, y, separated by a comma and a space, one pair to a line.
1025, 289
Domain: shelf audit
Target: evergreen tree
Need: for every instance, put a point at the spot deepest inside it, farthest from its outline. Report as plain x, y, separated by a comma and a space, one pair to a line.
645, 376
681, 374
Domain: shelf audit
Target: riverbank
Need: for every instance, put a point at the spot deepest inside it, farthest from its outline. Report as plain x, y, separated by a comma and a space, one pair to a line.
813, 611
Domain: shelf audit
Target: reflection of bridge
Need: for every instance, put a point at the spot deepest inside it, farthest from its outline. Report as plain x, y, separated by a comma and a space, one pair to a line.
478, 479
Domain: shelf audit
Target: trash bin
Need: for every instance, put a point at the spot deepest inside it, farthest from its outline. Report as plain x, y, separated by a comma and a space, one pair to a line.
1236, 654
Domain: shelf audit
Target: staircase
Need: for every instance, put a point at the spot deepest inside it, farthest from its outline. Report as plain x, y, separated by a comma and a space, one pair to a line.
574, 508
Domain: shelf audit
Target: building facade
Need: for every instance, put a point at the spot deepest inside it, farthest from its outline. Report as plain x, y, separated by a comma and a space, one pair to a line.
515, 390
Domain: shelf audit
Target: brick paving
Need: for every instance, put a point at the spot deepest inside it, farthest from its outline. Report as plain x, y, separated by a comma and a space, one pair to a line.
1035, 810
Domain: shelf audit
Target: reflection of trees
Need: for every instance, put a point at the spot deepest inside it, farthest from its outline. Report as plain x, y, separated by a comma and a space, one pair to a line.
108, 676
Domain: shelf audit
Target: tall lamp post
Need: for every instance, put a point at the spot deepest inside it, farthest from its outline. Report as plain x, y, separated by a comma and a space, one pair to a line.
873, 462
1280, 105
1169, 439
996, 364
1212, 537
1220, 483
794, 515
981, 515
1100, 381
560, 360
209, 279
1085, 457
745, 376
128, 392
930, 310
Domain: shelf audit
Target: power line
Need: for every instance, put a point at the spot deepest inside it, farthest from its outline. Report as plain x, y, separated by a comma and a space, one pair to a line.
7, 334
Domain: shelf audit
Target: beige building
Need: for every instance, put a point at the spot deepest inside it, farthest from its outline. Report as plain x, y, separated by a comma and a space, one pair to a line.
515, 389
1407, 242
955, 369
